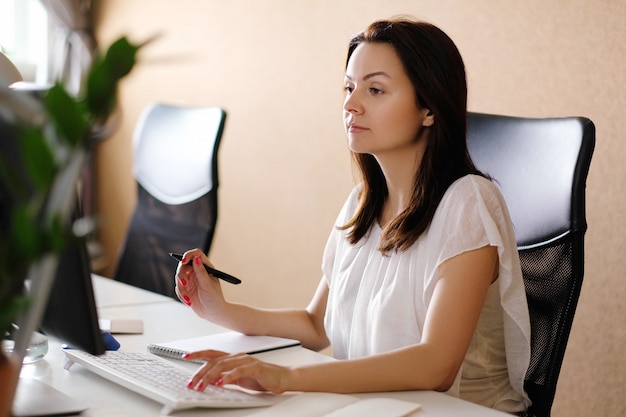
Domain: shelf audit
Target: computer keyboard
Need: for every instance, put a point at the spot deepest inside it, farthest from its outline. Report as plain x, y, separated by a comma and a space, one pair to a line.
160, 380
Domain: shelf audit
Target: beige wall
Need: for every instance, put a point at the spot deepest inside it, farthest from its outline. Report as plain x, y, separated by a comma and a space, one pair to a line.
276, 67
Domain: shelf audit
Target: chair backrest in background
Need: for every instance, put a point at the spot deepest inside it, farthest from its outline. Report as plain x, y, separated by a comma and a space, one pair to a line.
175, 165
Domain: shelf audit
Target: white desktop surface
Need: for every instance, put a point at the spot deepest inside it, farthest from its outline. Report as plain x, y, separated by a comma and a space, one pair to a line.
166, 320
111, 293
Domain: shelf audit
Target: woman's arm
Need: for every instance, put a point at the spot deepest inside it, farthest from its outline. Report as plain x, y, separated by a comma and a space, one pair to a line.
452, 316
203, 294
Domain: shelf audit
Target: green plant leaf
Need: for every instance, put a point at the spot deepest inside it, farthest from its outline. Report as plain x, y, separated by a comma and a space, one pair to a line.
101, 95
8, 313
38, 158
57, 234
101, 92
121, 58
67, 116
24, 233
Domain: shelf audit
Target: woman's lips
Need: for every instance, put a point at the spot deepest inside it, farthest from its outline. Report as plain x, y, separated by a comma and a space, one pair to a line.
354, 128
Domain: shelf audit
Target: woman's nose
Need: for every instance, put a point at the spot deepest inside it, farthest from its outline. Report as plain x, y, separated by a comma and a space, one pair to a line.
351, 104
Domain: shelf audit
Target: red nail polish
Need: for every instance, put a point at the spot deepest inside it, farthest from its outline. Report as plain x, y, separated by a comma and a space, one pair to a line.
190, 384
200, 386
183, 281
187, 300
185, 355
198, 262
219, 382
183, 261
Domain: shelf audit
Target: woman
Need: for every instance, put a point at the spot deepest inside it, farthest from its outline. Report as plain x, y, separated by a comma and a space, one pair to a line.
421, 286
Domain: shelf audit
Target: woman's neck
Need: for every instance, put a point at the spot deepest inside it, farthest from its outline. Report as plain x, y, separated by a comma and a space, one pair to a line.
399, 170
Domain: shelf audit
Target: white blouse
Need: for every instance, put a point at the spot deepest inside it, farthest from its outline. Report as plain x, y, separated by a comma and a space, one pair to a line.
378, 302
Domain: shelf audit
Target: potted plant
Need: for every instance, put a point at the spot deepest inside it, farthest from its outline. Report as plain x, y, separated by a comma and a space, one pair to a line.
49, 140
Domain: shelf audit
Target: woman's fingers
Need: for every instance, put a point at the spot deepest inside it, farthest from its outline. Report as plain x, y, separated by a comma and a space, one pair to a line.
190, 254
251, 374
186, 278
240, 369
204, 354
211, 371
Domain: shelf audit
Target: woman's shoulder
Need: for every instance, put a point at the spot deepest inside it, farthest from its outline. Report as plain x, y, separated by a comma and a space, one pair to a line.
473, 180
353, 198
349, 206
474, 185
475, 191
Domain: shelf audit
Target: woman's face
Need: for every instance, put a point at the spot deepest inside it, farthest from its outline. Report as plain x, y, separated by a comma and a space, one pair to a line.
380, 111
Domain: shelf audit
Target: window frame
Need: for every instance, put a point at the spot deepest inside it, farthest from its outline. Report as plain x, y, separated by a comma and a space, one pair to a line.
26, 38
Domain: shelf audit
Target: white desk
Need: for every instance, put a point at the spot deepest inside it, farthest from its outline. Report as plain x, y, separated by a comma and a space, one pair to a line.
111, 293
166, 319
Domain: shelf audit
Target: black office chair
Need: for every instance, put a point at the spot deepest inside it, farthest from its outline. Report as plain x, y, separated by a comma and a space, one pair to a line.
541, 166
175, 165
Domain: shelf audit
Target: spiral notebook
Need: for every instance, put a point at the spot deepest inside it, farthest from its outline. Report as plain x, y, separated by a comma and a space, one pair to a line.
231, 342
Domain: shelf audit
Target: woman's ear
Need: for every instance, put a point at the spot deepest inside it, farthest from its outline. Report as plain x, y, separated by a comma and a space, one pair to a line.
429, 118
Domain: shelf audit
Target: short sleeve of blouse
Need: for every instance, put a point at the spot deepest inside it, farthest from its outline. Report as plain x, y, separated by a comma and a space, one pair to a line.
472, 214
336, 235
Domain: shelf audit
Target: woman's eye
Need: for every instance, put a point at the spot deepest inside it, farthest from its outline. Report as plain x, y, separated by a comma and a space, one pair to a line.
348, 89
375, 90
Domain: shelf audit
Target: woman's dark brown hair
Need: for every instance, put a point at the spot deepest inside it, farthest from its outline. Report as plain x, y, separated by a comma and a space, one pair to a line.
436, 70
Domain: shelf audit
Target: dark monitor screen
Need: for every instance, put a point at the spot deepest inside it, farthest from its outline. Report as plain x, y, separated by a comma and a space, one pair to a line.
71, 314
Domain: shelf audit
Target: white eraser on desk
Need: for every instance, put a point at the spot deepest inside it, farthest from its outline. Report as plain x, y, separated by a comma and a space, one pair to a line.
121, 326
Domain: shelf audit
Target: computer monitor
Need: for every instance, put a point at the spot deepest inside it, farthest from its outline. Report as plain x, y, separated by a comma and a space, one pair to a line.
71, 314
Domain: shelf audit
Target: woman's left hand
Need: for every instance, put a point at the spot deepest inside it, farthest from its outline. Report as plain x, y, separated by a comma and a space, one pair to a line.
240, 369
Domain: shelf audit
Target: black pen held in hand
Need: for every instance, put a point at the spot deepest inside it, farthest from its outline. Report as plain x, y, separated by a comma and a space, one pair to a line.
216, 273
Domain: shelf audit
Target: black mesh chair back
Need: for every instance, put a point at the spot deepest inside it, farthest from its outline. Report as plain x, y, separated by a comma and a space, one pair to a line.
175, 165
541, 166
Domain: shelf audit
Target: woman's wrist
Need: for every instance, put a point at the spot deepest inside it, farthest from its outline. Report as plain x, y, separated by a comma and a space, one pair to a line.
292, 380
216, 311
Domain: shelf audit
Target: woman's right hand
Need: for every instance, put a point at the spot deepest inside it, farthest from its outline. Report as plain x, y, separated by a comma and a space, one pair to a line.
196, 288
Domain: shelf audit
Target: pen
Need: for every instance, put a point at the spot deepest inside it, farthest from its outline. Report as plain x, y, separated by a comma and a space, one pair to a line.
212, 271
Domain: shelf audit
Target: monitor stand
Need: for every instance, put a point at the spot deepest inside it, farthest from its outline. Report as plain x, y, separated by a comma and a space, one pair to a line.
35, 398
